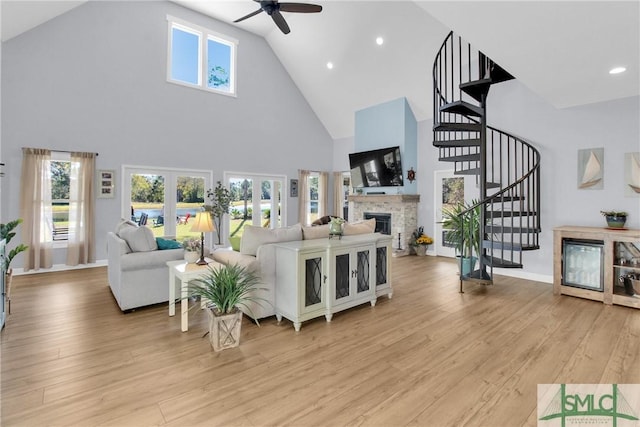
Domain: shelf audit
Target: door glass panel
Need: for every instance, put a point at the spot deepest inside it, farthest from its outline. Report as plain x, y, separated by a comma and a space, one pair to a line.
450, 190
313, 281
189, 201
363, 271
241, 206
342, 276
147, 200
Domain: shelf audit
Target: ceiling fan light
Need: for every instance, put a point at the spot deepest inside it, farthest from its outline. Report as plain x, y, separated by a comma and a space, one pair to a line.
379, 41
330, 65
617, 70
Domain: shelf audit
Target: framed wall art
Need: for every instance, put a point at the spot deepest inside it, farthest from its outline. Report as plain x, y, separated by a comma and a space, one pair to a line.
591, 169
632, 174
106, 184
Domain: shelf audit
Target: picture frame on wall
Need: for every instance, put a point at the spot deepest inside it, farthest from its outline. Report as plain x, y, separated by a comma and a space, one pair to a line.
106, 183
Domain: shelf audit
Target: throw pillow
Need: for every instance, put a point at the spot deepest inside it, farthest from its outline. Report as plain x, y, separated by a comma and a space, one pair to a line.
360, 227
139, 239
167, 244
254, 237
123, 224
315, 232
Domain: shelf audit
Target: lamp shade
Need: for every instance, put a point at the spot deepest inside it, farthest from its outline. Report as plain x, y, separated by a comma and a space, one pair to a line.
203, 223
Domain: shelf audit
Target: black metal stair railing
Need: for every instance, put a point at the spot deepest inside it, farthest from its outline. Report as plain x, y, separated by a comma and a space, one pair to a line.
507, 168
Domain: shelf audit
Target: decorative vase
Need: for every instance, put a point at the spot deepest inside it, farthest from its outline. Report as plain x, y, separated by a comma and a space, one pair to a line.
235, 243
616, 221
191, 256
224, 330
335, 226
421, 250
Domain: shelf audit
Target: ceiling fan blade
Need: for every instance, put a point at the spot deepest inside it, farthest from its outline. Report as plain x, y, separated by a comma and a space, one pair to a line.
280, 22
249, 15
300, 7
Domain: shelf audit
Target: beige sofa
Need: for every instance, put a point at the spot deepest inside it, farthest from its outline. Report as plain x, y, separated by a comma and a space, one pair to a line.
137, 269
257, 254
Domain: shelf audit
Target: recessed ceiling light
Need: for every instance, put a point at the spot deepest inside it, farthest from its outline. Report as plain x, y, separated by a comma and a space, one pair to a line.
330, 65
379, 41
617, 70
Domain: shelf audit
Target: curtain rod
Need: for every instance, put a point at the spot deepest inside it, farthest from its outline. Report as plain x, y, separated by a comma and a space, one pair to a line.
63, 151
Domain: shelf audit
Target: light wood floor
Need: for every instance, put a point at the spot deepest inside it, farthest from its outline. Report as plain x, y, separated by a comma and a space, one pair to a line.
428, 357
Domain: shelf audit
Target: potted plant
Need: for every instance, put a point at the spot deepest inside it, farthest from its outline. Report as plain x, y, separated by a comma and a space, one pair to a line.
420, 241
220, 202
225, 289
7, 233
615, 219
191, 249
463, 232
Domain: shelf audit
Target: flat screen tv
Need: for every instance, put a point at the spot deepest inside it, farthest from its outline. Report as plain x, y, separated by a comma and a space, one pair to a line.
376, 168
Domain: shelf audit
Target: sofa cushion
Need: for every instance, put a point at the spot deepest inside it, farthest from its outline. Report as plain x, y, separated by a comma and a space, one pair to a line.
315, 232
230, 257
139, 239
167, 244
253, 237
360, 227
124, 224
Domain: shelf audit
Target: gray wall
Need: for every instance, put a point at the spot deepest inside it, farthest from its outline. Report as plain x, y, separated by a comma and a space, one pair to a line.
94, 79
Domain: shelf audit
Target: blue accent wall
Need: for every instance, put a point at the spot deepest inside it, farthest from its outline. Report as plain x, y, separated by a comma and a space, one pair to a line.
386, 125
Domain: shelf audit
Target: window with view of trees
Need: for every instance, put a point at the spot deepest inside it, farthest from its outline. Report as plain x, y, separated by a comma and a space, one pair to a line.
201, 58
60, 182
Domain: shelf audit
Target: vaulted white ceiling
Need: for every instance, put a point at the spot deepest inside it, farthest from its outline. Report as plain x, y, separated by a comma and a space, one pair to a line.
560, 50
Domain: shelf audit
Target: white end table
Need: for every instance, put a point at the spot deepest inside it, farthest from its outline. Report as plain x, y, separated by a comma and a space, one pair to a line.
185, 273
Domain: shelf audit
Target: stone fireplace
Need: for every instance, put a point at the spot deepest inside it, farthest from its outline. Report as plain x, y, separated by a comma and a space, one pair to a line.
403, 209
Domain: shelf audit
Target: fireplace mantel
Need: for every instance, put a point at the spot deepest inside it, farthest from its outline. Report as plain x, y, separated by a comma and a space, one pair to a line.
384, 198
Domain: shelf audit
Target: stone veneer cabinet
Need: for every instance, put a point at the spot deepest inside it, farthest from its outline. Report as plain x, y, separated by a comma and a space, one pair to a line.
323, 276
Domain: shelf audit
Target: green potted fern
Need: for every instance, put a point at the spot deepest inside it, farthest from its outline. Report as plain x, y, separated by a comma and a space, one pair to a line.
463, 232
7, 233
225, 290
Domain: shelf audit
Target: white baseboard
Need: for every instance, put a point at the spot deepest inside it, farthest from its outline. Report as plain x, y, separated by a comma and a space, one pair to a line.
60, 267
520, 274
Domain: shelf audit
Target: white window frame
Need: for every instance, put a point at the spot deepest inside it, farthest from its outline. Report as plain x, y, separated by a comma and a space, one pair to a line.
204, 35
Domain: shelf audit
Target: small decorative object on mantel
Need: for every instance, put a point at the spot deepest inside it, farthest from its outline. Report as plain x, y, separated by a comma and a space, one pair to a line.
411, 175
420, 241
615, 219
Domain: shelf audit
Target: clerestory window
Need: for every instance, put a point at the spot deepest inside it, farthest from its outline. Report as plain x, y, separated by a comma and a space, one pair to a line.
201, 58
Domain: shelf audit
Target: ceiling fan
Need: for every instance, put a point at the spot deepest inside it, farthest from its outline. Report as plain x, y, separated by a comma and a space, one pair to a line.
273, 9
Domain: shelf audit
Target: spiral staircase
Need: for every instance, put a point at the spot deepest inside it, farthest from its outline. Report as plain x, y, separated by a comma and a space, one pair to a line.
507, 168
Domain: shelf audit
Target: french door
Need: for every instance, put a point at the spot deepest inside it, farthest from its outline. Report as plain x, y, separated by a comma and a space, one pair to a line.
258, 200
165, 200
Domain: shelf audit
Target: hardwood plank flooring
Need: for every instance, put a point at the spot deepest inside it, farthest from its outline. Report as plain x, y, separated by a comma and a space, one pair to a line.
428, 357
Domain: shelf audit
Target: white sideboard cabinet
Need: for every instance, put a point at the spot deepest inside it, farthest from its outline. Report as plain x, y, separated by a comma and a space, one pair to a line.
323, 276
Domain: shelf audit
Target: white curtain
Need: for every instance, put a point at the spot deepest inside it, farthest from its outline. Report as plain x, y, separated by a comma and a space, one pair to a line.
81, 244
323, 193
337, 195
303, 196
35, 208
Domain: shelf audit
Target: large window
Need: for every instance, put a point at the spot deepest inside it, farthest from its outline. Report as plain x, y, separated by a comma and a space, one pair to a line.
201, 58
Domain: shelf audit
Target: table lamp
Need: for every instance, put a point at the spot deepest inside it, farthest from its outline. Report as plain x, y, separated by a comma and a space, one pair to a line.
202, 224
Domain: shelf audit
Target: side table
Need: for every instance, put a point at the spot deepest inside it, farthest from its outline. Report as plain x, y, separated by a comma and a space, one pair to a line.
184, 272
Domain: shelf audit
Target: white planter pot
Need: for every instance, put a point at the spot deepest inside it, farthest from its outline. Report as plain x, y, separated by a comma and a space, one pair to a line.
224, 330
191, 257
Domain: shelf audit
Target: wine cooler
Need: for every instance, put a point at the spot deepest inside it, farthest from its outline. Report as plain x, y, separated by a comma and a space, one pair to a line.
583, 264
